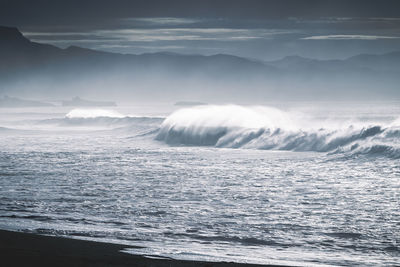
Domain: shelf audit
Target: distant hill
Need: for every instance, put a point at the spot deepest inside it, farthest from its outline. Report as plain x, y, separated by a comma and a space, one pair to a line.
14, 102
386, 62
35, 69
13, 45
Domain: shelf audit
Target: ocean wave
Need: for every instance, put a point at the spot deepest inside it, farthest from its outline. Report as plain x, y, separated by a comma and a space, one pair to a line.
100, 117
93, 113
269, 128
125, 124
107, 121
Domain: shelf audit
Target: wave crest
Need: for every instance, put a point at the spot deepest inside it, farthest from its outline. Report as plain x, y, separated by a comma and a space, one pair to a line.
270, 128
93, 113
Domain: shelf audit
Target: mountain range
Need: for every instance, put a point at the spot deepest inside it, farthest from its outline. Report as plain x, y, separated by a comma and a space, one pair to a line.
29, 68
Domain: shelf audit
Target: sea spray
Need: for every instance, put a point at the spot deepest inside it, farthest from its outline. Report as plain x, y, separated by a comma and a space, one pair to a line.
232, 126
93, 113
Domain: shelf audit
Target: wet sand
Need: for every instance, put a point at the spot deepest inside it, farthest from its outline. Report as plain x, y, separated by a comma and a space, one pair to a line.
24, 249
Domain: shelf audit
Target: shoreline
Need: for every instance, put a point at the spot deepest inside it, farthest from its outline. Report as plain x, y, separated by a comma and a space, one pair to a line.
26, 249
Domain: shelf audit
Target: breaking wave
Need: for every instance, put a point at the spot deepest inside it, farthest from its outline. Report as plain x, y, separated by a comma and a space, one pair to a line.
101, 117
269, 128
93, 113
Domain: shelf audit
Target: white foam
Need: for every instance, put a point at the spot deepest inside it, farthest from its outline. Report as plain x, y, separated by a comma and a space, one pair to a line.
93, 113
230, 116
270, 128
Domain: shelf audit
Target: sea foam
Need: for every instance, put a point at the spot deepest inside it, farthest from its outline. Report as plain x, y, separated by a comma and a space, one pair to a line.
234, 126
93, 113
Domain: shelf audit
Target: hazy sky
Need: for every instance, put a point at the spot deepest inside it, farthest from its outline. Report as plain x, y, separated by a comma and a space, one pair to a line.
257, 29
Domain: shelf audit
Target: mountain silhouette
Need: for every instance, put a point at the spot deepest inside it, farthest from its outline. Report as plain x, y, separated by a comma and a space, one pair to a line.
49, 70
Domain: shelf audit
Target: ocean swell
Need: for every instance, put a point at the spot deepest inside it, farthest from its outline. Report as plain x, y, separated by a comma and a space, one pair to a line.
100, 117
269, 128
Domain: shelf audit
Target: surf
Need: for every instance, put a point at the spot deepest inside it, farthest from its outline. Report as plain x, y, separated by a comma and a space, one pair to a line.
260, 127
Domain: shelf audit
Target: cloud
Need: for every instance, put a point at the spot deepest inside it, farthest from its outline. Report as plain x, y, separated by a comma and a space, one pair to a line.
154, 35
349, 37
384, 19
163, 21
191, 34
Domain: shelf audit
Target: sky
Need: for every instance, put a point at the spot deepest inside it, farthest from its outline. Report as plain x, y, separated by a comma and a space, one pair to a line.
264, 30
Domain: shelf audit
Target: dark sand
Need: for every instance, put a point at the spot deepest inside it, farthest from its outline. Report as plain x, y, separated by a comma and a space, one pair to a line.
23, 249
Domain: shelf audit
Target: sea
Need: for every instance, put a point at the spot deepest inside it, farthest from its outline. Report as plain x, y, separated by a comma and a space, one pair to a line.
295, 183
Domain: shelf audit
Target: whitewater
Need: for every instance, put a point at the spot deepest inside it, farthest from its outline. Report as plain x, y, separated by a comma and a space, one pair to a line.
302, 184
269, 128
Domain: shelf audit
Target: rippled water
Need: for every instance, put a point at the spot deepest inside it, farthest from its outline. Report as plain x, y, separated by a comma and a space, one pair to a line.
202, 203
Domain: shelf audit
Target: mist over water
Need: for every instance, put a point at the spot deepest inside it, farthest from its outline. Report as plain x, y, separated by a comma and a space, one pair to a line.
294, 183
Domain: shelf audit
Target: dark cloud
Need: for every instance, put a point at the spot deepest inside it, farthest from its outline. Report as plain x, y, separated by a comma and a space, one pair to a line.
254, 28
99, 13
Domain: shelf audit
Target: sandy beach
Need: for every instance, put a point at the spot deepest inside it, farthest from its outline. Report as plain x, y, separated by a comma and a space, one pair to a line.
24, 249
